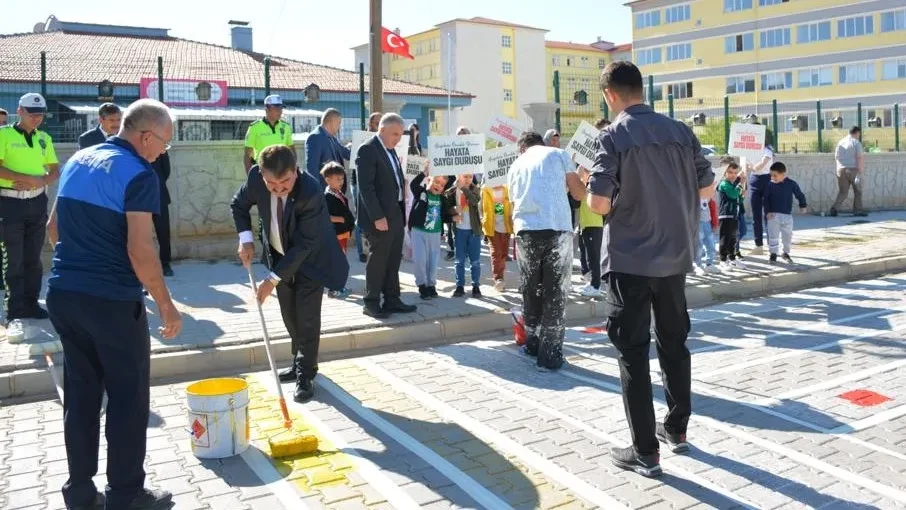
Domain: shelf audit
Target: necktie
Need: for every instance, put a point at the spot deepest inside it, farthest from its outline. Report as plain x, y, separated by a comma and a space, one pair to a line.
280, 222
396, 166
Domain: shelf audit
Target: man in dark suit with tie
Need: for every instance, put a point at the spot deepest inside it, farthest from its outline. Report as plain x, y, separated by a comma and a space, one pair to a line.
301, 248
161, 167
322, 146
381, 208
109, 117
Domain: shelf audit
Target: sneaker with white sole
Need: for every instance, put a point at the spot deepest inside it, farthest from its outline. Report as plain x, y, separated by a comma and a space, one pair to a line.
591, 292
711, 269
758, 250
675, 441
737, 264
15, 332
499, 286
699, 270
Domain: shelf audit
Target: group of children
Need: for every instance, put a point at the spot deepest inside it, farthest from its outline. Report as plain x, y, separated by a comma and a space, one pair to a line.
726, 213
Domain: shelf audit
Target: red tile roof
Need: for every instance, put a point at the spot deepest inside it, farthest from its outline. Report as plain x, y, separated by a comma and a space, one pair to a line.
80, 58
622, 47
573, 46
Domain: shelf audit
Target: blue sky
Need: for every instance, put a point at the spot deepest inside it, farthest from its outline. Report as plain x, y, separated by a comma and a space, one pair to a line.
323, 32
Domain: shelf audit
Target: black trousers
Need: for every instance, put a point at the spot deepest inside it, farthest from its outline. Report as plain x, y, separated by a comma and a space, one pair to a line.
450, 232
631, 299
382, 270
729, 230
590, 240
545, 260
21, 240
106, 346
162, 228
300, 305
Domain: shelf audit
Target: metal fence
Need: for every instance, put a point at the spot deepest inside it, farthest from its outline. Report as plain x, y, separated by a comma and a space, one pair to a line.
810, 126
75, 85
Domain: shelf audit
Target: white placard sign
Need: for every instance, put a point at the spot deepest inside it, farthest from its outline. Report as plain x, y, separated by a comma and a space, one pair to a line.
415, 166
456, 155
583, 145
360, 138
747, 140
497, 164
505, 130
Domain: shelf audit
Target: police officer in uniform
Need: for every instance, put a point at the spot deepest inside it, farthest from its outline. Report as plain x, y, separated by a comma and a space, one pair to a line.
28, 164
271, 130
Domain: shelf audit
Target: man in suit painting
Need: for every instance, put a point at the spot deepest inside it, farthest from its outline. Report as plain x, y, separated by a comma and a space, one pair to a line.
323, 147
161, 167
381, 205
109, 117
301, 248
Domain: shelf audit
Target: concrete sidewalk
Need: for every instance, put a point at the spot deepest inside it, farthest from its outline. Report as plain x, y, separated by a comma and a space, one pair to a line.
221, 331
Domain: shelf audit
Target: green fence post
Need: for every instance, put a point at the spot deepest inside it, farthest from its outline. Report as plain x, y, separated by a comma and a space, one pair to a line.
726, 123
896, 127
267, 76
363, 112
859, 115
557, 100
670, 105
160, 79
820, 127
651, 91
776, 141
44, 74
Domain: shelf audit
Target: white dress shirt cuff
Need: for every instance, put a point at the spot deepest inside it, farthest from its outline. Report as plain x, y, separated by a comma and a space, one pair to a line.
273, 276
246, 236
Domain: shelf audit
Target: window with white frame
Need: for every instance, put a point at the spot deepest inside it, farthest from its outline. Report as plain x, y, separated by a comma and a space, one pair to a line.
679, 52
507, 68
775, 38
678, 13
737, 5
657, 92
584, 62
680, 90
647, 19
857, 73
602, 63
739, 43
508, 95
506, 41
740, 84
893, 20
894, 69
555, 60
855, 27
648, 57
816, 77
777, 81
765, 3
813, 32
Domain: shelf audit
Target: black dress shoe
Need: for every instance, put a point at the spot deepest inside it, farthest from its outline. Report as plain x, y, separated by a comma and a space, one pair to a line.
433, 290
375, 312
305, 389
288, 375
97, 504
398, 307
363, 258
149, 499
167, 270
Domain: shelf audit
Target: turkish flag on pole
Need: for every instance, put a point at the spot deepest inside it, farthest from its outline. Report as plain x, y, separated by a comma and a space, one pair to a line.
391, 42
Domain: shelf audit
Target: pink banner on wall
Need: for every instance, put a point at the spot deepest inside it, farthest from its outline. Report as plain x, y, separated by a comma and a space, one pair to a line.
186, 92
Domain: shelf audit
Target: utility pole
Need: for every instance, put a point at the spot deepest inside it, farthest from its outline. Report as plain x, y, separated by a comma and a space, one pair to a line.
376, 73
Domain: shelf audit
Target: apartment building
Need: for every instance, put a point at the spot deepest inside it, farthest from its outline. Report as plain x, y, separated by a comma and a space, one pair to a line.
500, 63
841, 52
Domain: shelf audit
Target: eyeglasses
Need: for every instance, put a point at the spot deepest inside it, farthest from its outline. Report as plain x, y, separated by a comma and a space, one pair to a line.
155, 135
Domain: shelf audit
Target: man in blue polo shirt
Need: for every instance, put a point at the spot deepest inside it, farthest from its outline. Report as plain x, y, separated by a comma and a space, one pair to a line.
102, 232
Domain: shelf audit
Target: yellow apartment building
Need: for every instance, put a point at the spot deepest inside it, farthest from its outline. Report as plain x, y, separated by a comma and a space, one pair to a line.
579, 67
841, 52
500, 63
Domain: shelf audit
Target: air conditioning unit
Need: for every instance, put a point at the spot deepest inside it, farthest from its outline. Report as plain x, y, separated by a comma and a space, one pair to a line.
837, 122
699, 119
699, 62
798, 122
874, 122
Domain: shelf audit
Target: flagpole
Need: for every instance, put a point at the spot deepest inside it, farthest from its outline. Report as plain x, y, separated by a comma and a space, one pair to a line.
449, 83
376, 71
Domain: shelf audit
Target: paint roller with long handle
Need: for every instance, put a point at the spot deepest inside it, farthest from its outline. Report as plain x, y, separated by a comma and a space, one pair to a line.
297, 444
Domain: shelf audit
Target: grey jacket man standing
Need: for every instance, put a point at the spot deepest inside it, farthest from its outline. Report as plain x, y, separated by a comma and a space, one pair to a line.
850, 157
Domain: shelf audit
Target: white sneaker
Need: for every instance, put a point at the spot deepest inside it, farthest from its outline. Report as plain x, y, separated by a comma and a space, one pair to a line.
737, 264
699, 270
711, 269
758, 250
725, 267
499, 286
591, 292
586, 277
15, 332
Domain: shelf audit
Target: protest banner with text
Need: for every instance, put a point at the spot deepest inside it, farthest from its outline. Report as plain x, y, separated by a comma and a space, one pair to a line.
415, 166
497, 163
747, 141
583, 145
456, 155
505, 130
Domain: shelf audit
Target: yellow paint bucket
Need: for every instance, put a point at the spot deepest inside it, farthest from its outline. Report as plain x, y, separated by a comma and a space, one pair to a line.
218, 417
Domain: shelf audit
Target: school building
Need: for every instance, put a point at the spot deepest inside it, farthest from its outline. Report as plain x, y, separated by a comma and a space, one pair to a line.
797, 52
214, 91
508, 67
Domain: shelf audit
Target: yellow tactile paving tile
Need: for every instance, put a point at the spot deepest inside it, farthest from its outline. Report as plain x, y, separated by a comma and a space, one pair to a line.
506, 476
309, 472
